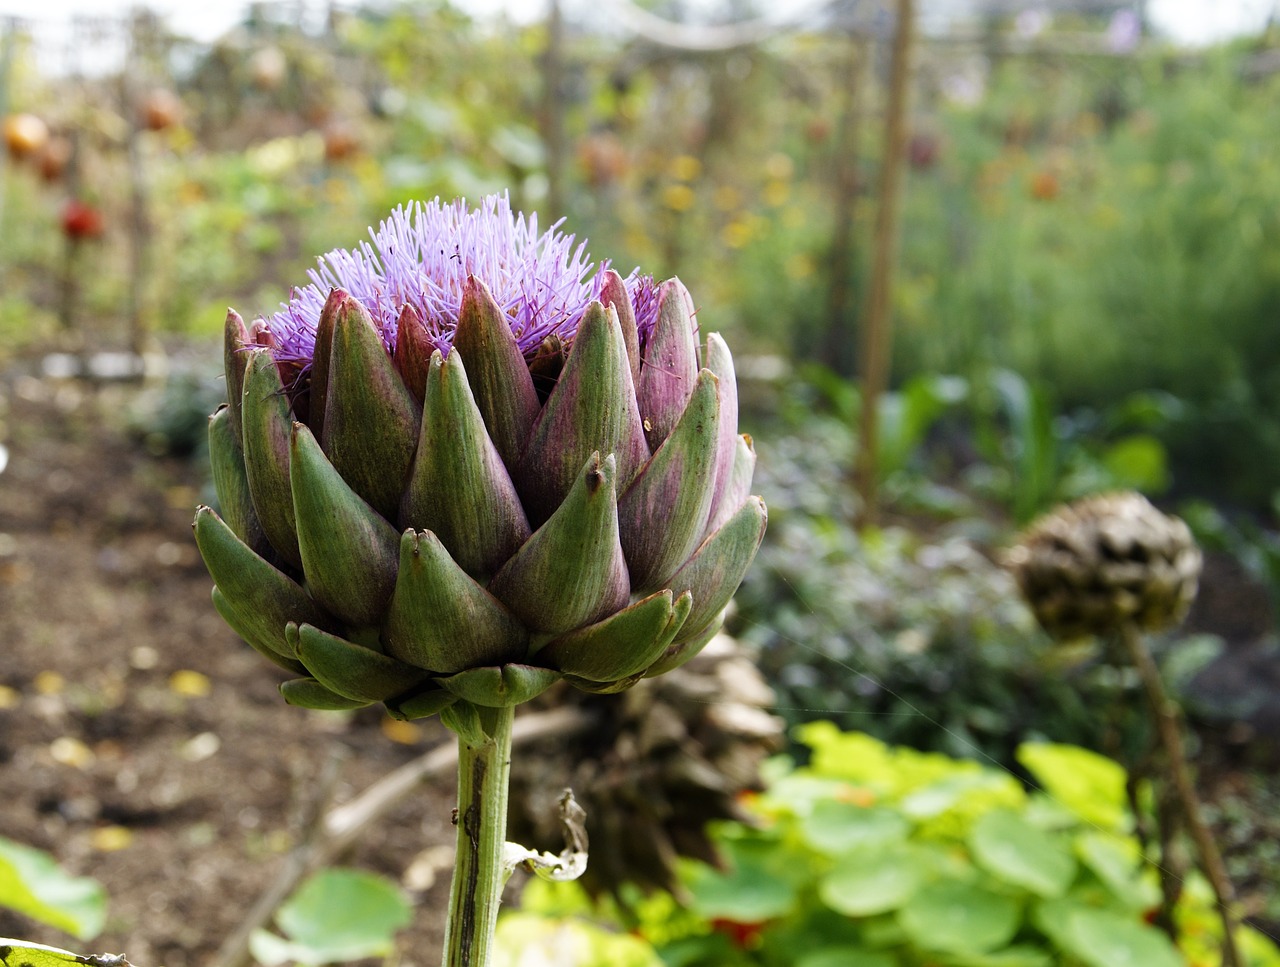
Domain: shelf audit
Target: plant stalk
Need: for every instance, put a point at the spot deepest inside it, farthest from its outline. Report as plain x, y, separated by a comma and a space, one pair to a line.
876, 339
484, 769
1166, 714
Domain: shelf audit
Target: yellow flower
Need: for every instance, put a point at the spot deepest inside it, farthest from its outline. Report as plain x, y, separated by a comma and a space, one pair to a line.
678, 198
685, 167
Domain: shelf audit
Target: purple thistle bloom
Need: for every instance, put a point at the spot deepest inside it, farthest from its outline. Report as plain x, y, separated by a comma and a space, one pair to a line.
422, 256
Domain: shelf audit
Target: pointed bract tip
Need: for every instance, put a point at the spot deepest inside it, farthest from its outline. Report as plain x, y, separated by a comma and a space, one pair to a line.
475, 288
260, 335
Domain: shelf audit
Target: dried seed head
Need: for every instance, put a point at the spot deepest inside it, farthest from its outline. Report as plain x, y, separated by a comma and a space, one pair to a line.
1093, 565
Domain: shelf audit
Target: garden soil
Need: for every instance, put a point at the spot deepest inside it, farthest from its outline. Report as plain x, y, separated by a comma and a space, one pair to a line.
142, 744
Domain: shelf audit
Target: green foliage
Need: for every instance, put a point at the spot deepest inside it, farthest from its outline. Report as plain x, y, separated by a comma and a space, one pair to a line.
1103, 237
889, 857
39, 955
1035, 457
172, 419
1255, 547
919, 636
32, 883
337, 915
526, 938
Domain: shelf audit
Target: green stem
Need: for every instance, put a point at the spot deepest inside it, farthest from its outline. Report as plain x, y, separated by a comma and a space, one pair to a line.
484, 768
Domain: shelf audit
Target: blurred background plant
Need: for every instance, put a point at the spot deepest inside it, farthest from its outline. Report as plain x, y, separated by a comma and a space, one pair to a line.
1086, 300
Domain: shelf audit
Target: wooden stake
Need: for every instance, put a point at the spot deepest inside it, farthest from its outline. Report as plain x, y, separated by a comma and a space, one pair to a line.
875, 343
139, 262
553, 111
838, 338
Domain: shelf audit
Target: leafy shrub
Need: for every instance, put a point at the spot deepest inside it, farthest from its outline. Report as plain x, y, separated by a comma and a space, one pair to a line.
919, 639
1151, 265
872, 856
172, 418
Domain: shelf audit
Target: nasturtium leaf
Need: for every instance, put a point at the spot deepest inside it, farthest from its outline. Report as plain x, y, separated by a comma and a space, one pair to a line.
958, 789
1090, 785
873, 880
960, 917
754, 889
798, 793
527, 939
1008, 847
32, 883
337, 915
836, 827
881, 932
1015, 956
846, 957
1102, 938
1116, 863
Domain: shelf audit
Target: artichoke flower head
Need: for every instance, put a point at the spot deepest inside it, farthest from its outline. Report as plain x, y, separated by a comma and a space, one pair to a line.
462, 465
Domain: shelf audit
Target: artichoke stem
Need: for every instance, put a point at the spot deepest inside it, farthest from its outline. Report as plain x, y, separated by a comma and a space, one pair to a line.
484, 769
1168, 728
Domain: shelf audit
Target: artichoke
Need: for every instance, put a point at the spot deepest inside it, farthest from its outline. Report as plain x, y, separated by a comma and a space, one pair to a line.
462, 465
1092, 566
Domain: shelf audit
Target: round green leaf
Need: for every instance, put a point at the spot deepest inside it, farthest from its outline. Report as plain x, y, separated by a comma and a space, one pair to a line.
338, 915
870, 881
835, 827
751, 891
959, 917
1105, 939
527, 938
1090, 785
1101, 938
34, 885
1009, 847
1116, 863
846, 957
1015, 956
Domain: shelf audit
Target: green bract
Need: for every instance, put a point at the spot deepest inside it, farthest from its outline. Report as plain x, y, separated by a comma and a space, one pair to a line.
414, 527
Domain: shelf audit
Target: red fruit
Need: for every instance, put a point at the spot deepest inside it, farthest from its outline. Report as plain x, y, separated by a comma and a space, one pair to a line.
744, 936
603, 158
340, 141
82, 221
53, 159
817, 130
1044, 186
161, 109
24, 134
922, 151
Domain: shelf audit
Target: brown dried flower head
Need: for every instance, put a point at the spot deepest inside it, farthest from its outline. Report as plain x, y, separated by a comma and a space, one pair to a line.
1091, 566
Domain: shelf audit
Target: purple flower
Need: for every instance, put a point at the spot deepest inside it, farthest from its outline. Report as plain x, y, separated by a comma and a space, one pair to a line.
422, 256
